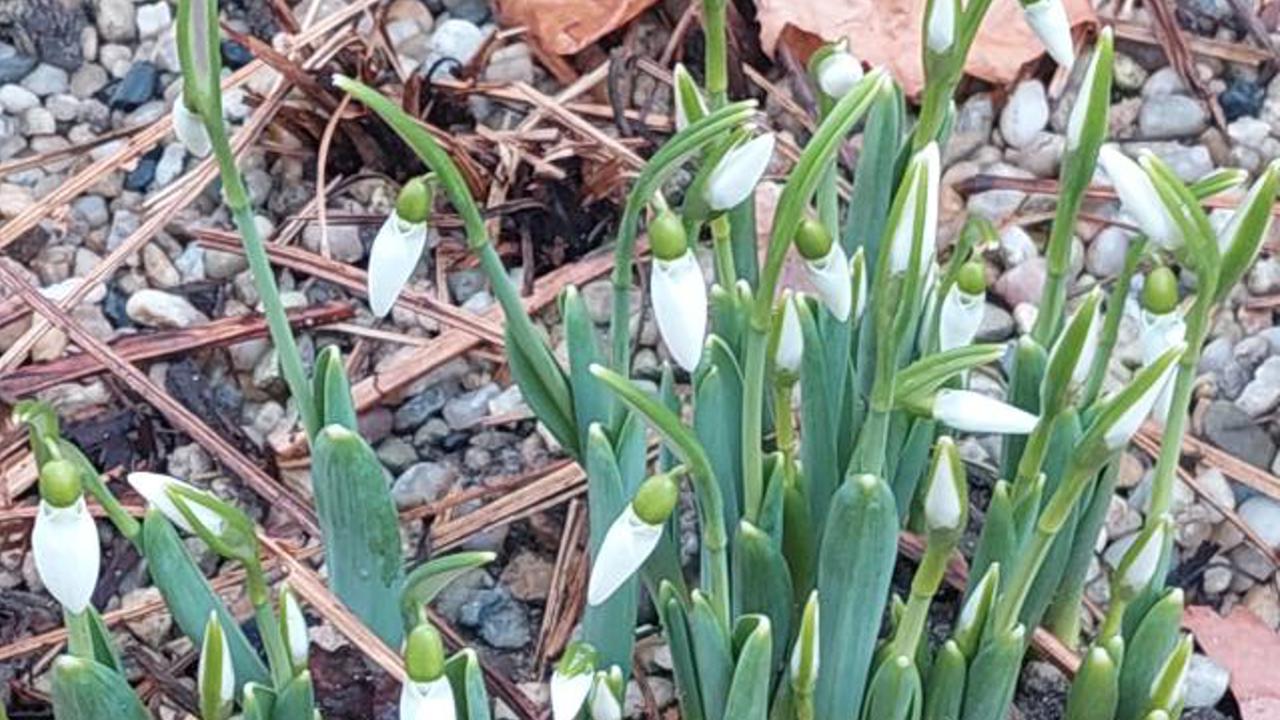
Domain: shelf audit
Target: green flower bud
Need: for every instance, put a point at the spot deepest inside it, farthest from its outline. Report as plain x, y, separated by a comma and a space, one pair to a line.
424, 654
60, 483
813, 240
667, 238
415, 200
972, 278
1160, 291
656, 499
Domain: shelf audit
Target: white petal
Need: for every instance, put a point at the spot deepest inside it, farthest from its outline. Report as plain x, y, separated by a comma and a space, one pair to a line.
680, 74
960, 318
1080, 110
838, 73
1159, 333
1048, 18
427, 701
860, 292
295, 631
1088, 351
830, 277
154, 488
941, 31
927, 161
628, 543
227, 679
942, 509
679, 294
1138, 197
790, 339
974, 412
64, 543
189, 129
1119, 434
568, 693
1143, 567
738, 173
394, 256
604, 706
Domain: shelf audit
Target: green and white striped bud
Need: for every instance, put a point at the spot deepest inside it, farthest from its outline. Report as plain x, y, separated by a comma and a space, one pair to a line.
572, 681
946, 502
606, 696
1048, 19
217, 680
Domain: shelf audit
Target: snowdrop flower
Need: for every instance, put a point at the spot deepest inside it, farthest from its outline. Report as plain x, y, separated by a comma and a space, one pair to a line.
1084, 98
940, 33
738, 172
963, 308
572, 681
1048, 19
790, 338
398, 246
1123, 429
969, 411
605, 704
158, 490
690, 105
426, 694
189, 128
216, 682
678, 290
920, 183
1163, 327
838, 72
946, 499
64, 541
632, 537
1138, 566
294, 629
827, 267
1138, 197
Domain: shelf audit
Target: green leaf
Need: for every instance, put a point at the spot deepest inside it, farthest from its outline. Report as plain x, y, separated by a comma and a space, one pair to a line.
549, 401
610, 626
104, 647
257, 702
998, 542
675, 625
189, 597
591, 402
470, 698
717, 421
859, 547
332, 390
1145, 654
1246, 231
1067, 355
925, 376
297, 700
361, 530
88, 690
712, 656
799, 539
429, 579
762, 583
213, 706
993, 675
945, 684
1064, 613
1168, 688
1095, 688
749, 693
894, 692
879, 164
819, 416
1029, 360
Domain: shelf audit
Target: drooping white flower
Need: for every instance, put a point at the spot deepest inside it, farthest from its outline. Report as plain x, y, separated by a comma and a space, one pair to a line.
838, 73
738, 172
394, 256
790, 338
215, 667
189, 128
832, 281
64, 544
960, 317
156, 489
921, 186
431, 700
1159, 333
970, 411
572, 681
1048, 19
1138, 197
679, 294
940, 33
1123, 430
628, 543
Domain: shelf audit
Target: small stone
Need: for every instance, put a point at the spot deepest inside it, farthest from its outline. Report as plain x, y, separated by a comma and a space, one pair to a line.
220, 265
528, 577
87, 80
170, 165
46, 80
465, 283
1262, 601
503, 622
142, 175
1106, 254
154, 19
344, 241
455, 40
422, 483
1016, 246
1025, 114
1216, 579
972, 127
189, 461
137, 87
1188, 162
116, 20
15, 99
1263, 515
1171, 116
1127, 74
1022, 284
1262, 394
1264, 277
13, 64
1162, 82
159, 309
413, 413
468, 409
38, 121
1234, 431
397, 454
1206, 682
159, 268
510, 64
151, 628
1243, 97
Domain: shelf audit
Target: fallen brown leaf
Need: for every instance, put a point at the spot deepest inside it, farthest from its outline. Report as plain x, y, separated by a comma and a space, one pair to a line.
887, 33
1248, 649
564, 27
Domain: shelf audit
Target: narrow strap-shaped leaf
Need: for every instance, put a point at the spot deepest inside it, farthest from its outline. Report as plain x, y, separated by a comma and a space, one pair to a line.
713, 656
189, 597
859, 547
799, 543
469, 695
913, 461
361, 530
104, 647
879, 165
546, 401
762, 583
608, 627
1064, 613
717, 421
1029, 360
297, 700
333, 391
675, 625
819, 413
591, 402
993, 676
998, 542
88, 690
944, 692
894, 692
1094, 692
749, 693
429, 579
926, 375
671, 401
257, 702
1145, 654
